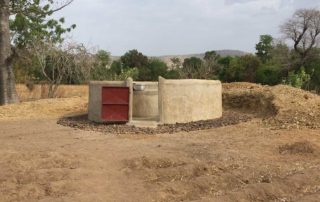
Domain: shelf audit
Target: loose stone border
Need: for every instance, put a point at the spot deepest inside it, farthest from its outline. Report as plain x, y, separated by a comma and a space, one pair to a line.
82, 122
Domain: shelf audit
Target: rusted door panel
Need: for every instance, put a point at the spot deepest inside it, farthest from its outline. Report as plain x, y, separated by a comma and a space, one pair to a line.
115, 113
115, 95
115, 104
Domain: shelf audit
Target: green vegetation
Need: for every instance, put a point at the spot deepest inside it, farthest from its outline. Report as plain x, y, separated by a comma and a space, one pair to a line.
22, 24
140, 67
264, 48
39, 54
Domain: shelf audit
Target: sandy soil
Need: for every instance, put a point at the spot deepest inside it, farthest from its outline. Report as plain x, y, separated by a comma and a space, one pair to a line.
41, 160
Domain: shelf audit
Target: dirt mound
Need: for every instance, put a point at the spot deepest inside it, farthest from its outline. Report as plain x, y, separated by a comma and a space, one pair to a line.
82, 122
297, 148
248, 97
281, 106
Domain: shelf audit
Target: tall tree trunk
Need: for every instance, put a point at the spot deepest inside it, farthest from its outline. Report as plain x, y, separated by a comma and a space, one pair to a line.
8, 94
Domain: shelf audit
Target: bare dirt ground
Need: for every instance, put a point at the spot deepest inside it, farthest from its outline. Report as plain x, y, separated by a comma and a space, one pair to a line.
259, 160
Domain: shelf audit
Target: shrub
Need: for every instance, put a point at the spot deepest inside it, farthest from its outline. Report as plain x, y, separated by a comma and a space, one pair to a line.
172, 74
297, 79
268, 74
126, 73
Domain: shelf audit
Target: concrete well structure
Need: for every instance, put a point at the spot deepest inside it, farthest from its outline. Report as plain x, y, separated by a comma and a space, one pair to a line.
95, 98
163, 102
145, 102
183, 101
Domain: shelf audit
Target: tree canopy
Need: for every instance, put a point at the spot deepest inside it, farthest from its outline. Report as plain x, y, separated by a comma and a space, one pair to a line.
264, 47
134, 58
31, 20
304, 30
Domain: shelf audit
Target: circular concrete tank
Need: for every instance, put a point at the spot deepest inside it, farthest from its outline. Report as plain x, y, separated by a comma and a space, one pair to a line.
145, 102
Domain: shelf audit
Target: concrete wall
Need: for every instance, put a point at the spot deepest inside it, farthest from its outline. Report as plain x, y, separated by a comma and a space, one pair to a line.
145, 103
95, 99
182, 101
171, 101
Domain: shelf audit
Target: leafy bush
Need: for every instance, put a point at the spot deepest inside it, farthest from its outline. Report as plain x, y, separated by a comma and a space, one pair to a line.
297, 79
172, 74
126, 73
101, 70
153, 70
268, 74
313, 68
134, 58
242, 69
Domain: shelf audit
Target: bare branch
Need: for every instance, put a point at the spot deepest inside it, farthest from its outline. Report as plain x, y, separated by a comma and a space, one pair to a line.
62, 7
304, 30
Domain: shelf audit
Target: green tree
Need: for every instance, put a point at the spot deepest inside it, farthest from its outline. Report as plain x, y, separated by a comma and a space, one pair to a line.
280, 54
116, 67
172, 74
101, 69
176, 63
134, 58
225, 65
103, 58
126, 73
243, 68
211, 56
312, 67
234, 71
30, 21
264, 48
268, 74
190, 67
193, 62
23, 22
153, 70
211, 66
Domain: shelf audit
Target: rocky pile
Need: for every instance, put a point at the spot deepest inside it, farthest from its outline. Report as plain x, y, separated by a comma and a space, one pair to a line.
82, 122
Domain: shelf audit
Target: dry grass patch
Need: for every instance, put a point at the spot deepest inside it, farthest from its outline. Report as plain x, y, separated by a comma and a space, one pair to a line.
46, 108
297, 148
37, 92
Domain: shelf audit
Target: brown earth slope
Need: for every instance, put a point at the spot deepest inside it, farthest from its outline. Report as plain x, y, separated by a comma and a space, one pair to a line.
281, 106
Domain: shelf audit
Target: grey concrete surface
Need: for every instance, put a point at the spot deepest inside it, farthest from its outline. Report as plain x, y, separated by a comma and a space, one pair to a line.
145, 103
182, 101
166, 101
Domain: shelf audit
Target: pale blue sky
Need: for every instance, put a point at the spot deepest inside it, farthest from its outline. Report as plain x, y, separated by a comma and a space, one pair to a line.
163, 27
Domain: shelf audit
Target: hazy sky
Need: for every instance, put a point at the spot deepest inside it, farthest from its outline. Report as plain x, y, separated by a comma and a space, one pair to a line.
163, 27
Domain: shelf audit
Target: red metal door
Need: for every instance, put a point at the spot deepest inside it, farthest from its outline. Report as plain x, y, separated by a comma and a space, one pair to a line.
115, 104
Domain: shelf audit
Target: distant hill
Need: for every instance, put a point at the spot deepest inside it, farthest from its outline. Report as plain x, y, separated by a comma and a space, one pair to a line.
223, 53
167, 58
